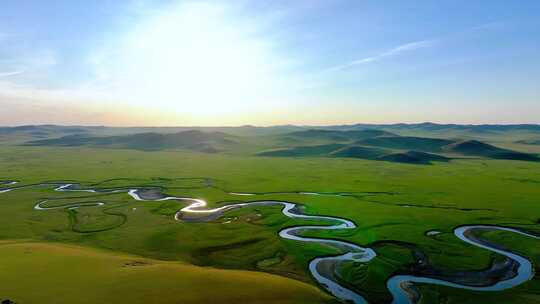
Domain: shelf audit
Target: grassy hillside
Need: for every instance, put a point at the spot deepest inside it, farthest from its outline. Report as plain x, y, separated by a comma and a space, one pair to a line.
403, 149
342, 136
191, 140
362, 144
22, 134
493, 134
414, 157
407, 143
358, 152
477, 148
303, 151
57, 273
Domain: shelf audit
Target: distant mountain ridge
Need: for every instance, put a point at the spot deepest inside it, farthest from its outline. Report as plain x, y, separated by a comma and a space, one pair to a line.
436, 126
287, 128
529, 142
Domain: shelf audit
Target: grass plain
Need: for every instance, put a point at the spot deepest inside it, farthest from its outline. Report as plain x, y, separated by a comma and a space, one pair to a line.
393, 205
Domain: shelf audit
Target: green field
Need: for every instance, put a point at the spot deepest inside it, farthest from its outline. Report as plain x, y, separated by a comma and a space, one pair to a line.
240, 257
70, 274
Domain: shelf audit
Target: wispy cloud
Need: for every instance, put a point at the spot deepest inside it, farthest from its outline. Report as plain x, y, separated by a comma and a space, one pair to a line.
416, 45
11, 73
488, 26
411, 46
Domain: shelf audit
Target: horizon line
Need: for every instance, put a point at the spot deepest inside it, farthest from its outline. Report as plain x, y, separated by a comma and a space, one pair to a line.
270, 126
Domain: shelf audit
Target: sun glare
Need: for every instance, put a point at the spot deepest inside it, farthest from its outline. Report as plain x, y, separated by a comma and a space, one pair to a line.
191, 59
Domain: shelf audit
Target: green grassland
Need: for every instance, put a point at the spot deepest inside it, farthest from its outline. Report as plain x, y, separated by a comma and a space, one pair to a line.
389, 202
56, 273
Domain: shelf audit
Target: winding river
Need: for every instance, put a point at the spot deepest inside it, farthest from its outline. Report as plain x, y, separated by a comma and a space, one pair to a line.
323, 269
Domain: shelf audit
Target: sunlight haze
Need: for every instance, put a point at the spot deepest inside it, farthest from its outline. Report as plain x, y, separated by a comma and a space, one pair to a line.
252, 62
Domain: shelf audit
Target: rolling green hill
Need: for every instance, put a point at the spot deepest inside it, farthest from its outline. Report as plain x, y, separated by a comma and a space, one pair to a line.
318, 150
414, 157
189, 140
24, 133
359, 152
407, 143
477, 148
382, 145
341, 136
122, 278
510, 133
368, 144
369, 153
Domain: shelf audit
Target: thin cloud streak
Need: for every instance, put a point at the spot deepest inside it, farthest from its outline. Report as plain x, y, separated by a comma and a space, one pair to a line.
9, 74
411, 46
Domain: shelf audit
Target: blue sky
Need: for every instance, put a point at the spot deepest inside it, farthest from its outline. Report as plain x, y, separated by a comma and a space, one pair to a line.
269, 62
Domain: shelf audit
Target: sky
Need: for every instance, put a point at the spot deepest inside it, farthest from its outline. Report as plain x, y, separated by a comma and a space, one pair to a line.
304, 62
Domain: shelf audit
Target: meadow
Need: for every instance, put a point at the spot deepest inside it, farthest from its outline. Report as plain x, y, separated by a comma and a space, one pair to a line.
394, 205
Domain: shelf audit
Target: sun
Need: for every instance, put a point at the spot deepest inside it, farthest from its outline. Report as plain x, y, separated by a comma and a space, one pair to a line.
197, 59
